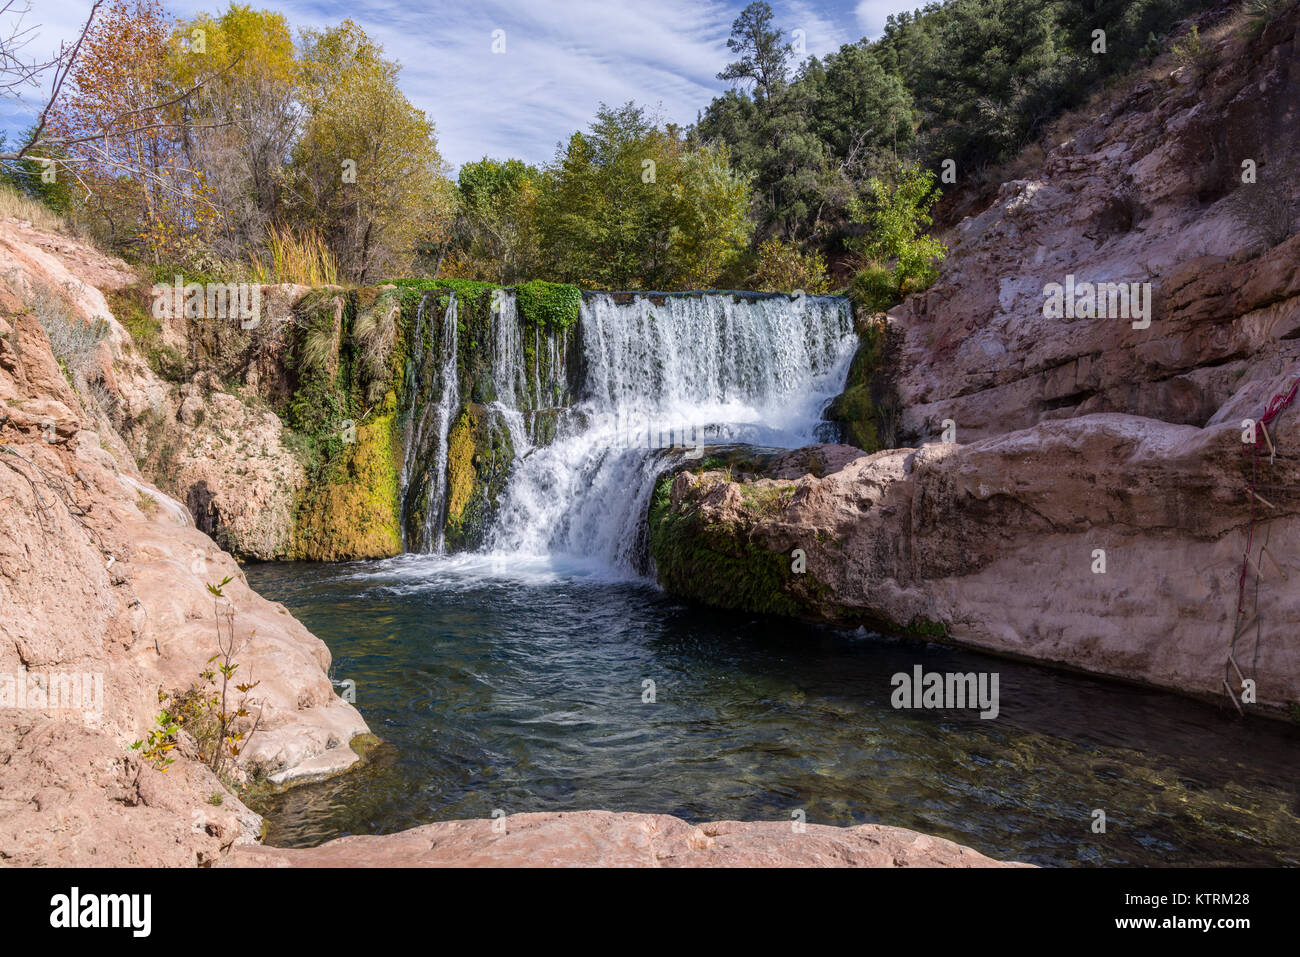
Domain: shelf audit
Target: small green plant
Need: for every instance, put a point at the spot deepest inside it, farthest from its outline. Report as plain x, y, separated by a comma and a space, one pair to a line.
784, 267
1154, 46
896, 257
133, 310
73, 341
1191, 51
220, 725
229, 743
159, 740
215, 799
874, 289
146, 503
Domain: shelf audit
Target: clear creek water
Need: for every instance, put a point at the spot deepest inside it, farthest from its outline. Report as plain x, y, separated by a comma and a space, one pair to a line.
513, 679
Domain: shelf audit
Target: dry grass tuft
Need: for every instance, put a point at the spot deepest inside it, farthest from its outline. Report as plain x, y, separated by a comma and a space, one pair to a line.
296, 257
18, 205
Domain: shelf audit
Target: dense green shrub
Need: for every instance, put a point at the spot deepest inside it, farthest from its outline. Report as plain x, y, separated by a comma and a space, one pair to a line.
895, 256
548, 304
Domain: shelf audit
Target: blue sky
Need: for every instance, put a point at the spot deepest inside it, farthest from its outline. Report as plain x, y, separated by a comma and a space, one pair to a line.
562, 57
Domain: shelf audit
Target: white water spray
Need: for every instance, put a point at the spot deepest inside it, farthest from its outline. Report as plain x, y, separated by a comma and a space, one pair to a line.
661, 381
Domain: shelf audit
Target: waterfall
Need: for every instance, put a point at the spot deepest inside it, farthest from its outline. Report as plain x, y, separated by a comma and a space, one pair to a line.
524, 388
448, 404
511, 384
662, 376
427, 429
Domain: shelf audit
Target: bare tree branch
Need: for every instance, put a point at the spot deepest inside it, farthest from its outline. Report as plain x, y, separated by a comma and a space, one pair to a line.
96, 137
67, 57
16, 71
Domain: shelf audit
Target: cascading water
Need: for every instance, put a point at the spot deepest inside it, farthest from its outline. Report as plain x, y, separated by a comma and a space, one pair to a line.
663, 375
460, 364
425, 488
525, 389
663, 378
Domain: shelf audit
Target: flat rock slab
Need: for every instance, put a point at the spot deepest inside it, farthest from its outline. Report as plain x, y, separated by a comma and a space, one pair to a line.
609, 839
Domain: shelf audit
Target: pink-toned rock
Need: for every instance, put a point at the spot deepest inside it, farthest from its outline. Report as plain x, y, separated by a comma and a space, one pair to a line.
609, 839
1149, 191
103, 585
224, 456
994, 544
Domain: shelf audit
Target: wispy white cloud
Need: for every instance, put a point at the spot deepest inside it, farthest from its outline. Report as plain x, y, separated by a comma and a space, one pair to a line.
824, 31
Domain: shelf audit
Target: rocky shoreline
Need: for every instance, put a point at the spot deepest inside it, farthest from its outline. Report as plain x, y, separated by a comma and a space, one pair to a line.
609, 839
1073, 492
103, 575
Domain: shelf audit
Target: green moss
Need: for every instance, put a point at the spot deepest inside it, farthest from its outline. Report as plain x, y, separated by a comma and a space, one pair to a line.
460, 470
320, 402
464, 288
364, 745
355, 510
720, 565
922, 627
766, 499
479, 456
548, 305
865, 410
132, 307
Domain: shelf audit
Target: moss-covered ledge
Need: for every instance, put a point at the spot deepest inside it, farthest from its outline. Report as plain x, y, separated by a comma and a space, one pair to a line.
701, 541
347, 363
363, 365
867, 414
730, 531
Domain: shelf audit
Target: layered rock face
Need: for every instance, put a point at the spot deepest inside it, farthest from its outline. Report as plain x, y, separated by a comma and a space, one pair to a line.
103, 582
608, 839
213, 439
1088, 505
1151, 191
